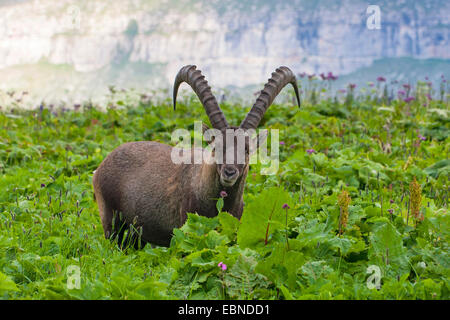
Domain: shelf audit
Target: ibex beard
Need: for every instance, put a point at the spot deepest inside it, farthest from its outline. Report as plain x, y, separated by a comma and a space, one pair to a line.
139, 186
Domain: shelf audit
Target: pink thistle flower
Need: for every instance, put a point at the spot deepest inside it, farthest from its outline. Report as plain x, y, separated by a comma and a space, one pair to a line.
409, 99
286, 206
309, 151
381, 79
222, 265
223, 194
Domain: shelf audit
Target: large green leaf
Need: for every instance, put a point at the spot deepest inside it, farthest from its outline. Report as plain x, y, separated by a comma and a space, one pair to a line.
263, 216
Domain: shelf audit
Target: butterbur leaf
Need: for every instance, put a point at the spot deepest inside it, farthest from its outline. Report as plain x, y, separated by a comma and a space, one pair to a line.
7, 284
387, 248
281, 266
229, 225
263, 216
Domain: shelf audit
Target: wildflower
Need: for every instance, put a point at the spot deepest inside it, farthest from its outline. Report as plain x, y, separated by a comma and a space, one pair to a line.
409, 99
286, 206
222, 265
421, 137
343, 202
342, 91
428, 96
381, 79
407, 86
391, 211
352, 86
416, 199
309, 151
401, 92
282, 143
371, 84
330, 76
311, 76
42, 185
391, 201
302, 75
223, 194
323, 76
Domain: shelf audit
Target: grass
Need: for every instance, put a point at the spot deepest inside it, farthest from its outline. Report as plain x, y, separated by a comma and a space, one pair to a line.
365, 149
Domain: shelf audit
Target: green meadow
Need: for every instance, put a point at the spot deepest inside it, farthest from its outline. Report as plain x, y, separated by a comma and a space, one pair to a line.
357, 210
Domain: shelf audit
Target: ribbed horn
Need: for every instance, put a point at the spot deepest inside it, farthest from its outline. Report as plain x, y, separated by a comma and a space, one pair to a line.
280, 78
198, 83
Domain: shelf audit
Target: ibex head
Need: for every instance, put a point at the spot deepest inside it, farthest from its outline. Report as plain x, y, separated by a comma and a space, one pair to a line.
235, 143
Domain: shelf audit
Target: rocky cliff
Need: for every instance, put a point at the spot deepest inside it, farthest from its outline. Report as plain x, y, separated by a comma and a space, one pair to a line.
90, 43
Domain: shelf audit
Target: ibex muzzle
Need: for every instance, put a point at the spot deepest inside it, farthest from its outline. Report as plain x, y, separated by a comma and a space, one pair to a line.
139, 185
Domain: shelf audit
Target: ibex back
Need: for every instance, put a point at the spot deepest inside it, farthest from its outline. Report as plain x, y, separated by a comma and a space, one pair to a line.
139, 185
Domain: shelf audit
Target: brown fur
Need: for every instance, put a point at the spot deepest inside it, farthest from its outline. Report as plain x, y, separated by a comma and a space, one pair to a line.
139, 180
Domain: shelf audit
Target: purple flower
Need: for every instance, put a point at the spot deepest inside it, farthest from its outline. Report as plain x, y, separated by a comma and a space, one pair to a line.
407, 86
42, 185
330, 76
223, 194
381, 79
352, 86
391, 211
286, 206
370, 84
391, 201
342, 91
401, 92
310, 151
282, 143
409, 99
323, 76
428, 96
302, 75
421, 137
311, 76
222, 265
426, 78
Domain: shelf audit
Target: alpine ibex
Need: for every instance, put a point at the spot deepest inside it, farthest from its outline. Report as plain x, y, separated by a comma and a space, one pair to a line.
152, 193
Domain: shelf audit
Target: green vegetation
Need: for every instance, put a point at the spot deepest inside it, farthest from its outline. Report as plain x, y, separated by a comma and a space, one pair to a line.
362, 184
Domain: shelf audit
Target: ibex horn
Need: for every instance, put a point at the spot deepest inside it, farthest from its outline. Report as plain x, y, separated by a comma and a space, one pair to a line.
198, 83
280, 78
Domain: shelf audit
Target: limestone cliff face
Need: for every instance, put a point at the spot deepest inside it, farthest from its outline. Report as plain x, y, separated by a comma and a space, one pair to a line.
234, 42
